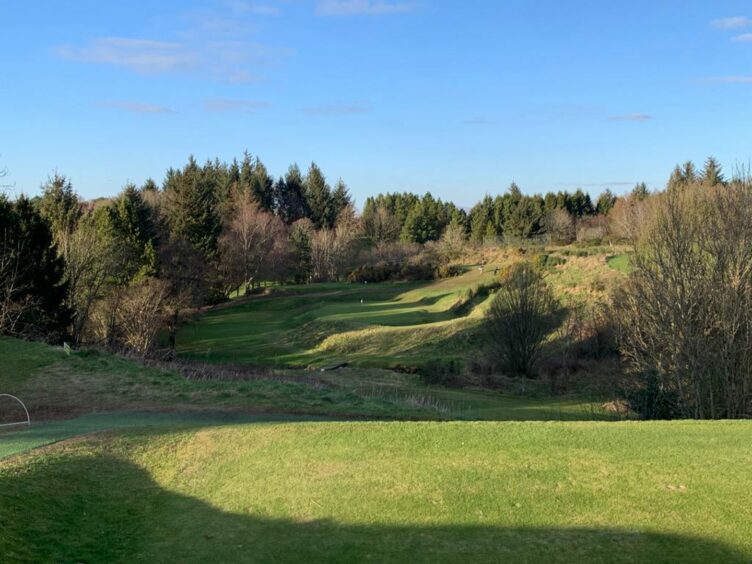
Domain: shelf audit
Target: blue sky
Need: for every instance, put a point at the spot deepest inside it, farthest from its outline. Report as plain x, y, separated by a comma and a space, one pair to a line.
457, 97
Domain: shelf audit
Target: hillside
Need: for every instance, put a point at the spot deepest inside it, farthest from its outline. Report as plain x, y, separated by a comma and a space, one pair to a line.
388, 324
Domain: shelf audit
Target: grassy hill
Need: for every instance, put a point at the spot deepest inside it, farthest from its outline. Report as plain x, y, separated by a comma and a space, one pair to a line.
380, 325
386, 492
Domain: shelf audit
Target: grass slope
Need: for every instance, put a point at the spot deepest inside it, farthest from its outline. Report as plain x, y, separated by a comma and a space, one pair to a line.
386, 492
379, 325
55, 385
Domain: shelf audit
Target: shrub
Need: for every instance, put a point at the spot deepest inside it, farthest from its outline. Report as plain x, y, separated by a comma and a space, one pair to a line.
651, 400
521, 316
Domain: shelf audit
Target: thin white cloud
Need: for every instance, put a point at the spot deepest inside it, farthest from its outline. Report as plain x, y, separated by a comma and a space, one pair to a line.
136, 107
734, 22
361, 7
337, 109
743, 38
479, 120
241, 7
632, 117
228, 105
734, 79
217, 43
140, 55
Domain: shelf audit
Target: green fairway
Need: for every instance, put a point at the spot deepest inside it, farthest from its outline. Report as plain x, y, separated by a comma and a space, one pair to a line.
620, 263
386, 325
378, 325
386, 492
367, 325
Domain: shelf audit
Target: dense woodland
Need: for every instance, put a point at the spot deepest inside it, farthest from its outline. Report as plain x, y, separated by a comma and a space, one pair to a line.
119, 272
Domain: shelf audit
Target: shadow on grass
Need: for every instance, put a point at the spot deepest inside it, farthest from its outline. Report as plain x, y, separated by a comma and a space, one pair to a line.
84, 507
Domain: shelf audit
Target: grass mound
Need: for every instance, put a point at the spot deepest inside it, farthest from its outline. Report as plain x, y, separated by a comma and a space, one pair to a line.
388, 492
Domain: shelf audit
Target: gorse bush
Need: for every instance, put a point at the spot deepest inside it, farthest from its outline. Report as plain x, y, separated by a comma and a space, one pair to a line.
522, 315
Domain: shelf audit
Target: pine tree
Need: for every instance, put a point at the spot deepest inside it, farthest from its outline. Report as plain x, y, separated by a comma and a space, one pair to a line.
60, 207
340, 199
640, 192
131, 226
32, 287
318, 198
605, 202
192, 208
289, 196
712, 173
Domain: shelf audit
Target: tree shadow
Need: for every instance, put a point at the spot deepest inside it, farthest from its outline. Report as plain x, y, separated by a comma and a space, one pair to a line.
76, 506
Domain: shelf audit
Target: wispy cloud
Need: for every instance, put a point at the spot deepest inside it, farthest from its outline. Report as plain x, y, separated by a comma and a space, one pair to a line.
361, 7
136, 107
734, 22
140, 55
734, 79
240, 7
632, 117
478, 120
227, 105
743, 38
218, 43
337, 109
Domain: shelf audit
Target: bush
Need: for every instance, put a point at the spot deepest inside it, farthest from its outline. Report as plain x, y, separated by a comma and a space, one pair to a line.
521, 316
653, 401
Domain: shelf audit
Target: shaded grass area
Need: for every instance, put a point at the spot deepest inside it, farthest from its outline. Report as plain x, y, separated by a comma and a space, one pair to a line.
387, 492
23, 438
59, 386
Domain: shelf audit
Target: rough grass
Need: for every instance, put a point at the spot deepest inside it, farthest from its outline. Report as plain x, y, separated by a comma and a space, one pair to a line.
54, 385
386, 492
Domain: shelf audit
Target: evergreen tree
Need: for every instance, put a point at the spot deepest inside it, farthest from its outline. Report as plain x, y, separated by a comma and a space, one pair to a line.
262, 186
605, 202
318, 198
130, 224
192, 208
32, 287
340, 199
289, 196
60, 207
300, 241
712, 173
640, 192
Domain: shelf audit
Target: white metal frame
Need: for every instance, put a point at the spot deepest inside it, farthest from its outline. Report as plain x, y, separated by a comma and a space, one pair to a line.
28, 419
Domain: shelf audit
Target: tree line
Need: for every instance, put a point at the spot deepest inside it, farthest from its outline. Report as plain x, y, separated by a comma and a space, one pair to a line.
115, 271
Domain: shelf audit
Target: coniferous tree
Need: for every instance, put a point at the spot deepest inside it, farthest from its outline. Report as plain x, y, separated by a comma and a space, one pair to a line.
318, 198
712, 173
60, 207
32, 286
130, 223
640, 192
289, 196
605, 202
340, 199
192, 208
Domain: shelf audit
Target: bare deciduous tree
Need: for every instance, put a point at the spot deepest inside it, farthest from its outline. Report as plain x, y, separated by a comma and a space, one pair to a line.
685, 314
248, 242
560, 226
522, 315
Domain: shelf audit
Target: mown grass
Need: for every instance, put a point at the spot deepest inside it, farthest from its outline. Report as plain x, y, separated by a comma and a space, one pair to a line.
386, 492
620, 263
378, 325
